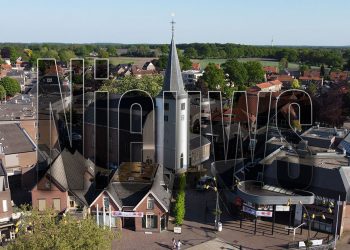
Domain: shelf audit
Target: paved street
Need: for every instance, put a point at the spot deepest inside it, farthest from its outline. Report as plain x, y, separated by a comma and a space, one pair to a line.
198, 228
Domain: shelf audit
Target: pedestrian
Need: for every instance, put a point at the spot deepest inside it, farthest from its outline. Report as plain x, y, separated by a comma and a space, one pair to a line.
174, 243
179, 245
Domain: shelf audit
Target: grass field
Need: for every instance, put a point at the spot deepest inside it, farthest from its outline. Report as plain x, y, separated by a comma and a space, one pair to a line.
140, 61
263, 61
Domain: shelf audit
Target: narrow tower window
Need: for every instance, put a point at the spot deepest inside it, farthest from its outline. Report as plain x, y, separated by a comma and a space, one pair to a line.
182, 161
136, 118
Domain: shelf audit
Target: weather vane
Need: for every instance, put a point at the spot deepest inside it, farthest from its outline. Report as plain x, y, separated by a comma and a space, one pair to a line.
172, 24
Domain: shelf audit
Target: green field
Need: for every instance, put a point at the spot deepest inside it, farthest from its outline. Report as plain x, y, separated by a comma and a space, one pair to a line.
264, 62
140, 61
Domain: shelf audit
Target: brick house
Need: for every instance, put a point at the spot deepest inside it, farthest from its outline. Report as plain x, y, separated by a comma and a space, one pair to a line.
140, 189
67, 184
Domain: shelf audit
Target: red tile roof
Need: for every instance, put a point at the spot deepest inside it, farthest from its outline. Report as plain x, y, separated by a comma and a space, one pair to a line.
196, 66
270, 69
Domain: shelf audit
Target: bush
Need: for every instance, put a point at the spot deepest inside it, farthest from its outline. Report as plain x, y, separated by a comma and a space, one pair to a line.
180, 208
10, 85
2, 93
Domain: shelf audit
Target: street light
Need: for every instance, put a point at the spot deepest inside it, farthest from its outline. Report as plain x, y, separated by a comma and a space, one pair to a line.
217, 208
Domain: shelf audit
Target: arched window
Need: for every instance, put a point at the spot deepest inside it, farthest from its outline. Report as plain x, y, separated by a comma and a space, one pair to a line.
136, 118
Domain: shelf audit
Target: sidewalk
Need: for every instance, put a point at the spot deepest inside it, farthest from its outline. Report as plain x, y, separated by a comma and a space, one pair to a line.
213, 244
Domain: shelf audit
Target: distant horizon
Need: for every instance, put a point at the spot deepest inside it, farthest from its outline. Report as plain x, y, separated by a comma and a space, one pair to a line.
252, 22
157, 44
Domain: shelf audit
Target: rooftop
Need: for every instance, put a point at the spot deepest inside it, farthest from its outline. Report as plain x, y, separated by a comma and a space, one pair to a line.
14, 140
137, 172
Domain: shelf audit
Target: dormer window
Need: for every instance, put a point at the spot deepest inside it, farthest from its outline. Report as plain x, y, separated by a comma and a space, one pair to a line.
150, 203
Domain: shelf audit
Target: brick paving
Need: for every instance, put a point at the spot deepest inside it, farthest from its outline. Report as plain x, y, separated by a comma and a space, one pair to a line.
198, 228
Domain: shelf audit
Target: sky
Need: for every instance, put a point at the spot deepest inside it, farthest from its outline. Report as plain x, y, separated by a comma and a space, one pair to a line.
256, 22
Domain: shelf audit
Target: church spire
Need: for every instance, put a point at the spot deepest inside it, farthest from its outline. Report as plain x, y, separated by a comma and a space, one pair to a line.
173, 77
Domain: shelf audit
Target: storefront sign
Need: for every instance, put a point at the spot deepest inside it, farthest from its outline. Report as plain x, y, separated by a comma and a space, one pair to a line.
281, 208
126, 214
263, 213
258, 213
249, 210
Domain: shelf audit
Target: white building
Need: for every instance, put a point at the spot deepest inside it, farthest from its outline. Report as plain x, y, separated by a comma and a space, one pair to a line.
191, 76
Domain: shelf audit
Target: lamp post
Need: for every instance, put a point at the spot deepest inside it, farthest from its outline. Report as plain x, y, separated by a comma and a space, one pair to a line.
217, 205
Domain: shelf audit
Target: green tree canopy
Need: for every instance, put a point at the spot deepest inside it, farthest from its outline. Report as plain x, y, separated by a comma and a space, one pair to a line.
185, 63
66, 55
295, 84
255, 72
103, 53
283, 64
10, 85
214, 77
50, 232
191, 53
151, 84
236, 72
2, 93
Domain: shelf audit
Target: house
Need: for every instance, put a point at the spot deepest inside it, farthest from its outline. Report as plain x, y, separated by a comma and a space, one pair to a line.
307, 80
6, 210
149, 66
285, 79
18, 148
138, 72
339, 76
312, 73
190, 77
122, 68
274, 85
138, 198
66, 186
196, 66
270, 70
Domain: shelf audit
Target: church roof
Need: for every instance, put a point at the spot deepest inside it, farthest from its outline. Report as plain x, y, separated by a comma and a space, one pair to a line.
173, 78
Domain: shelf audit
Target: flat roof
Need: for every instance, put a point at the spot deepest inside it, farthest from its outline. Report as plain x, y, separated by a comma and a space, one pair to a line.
258, 193
135, 172
14, 140
325, 133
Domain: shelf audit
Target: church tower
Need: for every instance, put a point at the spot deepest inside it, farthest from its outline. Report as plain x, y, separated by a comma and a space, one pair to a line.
172, 109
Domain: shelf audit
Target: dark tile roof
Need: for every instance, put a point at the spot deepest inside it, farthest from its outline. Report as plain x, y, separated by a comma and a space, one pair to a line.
130, 194
14, 140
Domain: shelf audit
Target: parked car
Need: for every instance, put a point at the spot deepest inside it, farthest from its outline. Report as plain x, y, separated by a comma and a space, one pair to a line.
205, 181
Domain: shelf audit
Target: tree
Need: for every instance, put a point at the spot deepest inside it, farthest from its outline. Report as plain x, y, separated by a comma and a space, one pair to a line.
103, 53
179, 209
295, 84
191, 53
236, 72
322, 70
283, 64
48, 231
2, 93
255, 72
213, 76
66, 55
185, 63
112, 51
151, 84
10, 85
303, 68
312, 88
